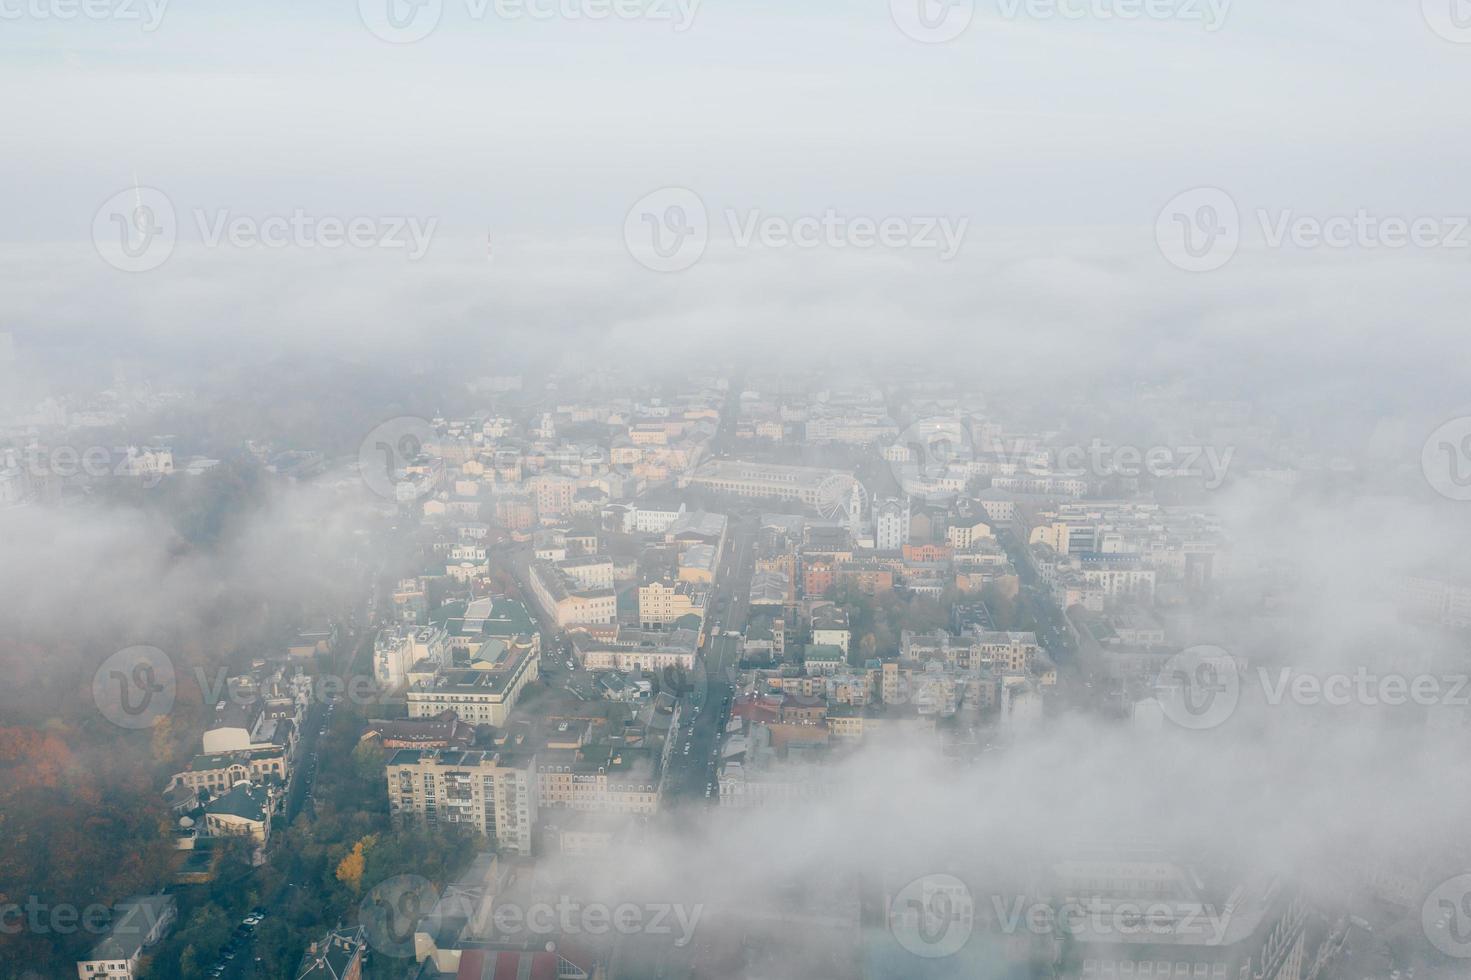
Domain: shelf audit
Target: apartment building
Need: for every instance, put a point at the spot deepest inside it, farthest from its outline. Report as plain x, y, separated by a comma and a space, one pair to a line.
868, 577
744, 785
1000, 650
552, 495
830, 627
398, 651
662, 603
589, 572
999, 506
565, 603
1118, 579
964, 533
1006, 650
494, 793
599, 778
890, 523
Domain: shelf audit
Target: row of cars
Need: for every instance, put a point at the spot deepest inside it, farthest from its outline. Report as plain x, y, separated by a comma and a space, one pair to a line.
239, 943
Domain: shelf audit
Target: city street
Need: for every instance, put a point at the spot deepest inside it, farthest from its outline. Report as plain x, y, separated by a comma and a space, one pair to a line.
694, 763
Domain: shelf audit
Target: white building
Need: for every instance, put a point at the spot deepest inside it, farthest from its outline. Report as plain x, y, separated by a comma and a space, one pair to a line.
396, 651
891, 524
137, 923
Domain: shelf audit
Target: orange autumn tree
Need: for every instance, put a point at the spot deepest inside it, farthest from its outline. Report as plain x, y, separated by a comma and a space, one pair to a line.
350, 869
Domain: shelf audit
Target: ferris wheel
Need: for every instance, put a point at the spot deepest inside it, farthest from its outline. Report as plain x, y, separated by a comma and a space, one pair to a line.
842, 498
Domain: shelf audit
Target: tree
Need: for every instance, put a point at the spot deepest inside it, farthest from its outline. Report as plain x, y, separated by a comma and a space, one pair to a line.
350, 869
189, 963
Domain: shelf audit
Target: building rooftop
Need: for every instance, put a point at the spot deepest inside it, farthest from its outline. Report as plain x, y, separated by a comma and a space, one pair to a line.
132, 920
244, 800
332, 957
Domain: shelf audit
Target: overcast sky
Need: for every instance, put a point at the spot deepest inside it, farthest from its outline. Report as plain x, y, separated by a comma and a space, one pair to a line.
1058, 140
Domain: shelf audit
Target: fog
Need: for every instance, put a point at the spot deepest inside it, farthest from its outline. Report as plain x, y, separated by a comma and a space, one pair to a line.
501, 163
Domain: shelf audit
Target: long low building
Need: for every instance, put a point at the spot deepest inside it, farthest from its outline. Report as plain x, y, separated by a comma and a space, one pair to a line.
649, 650
810, 485
219, 772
